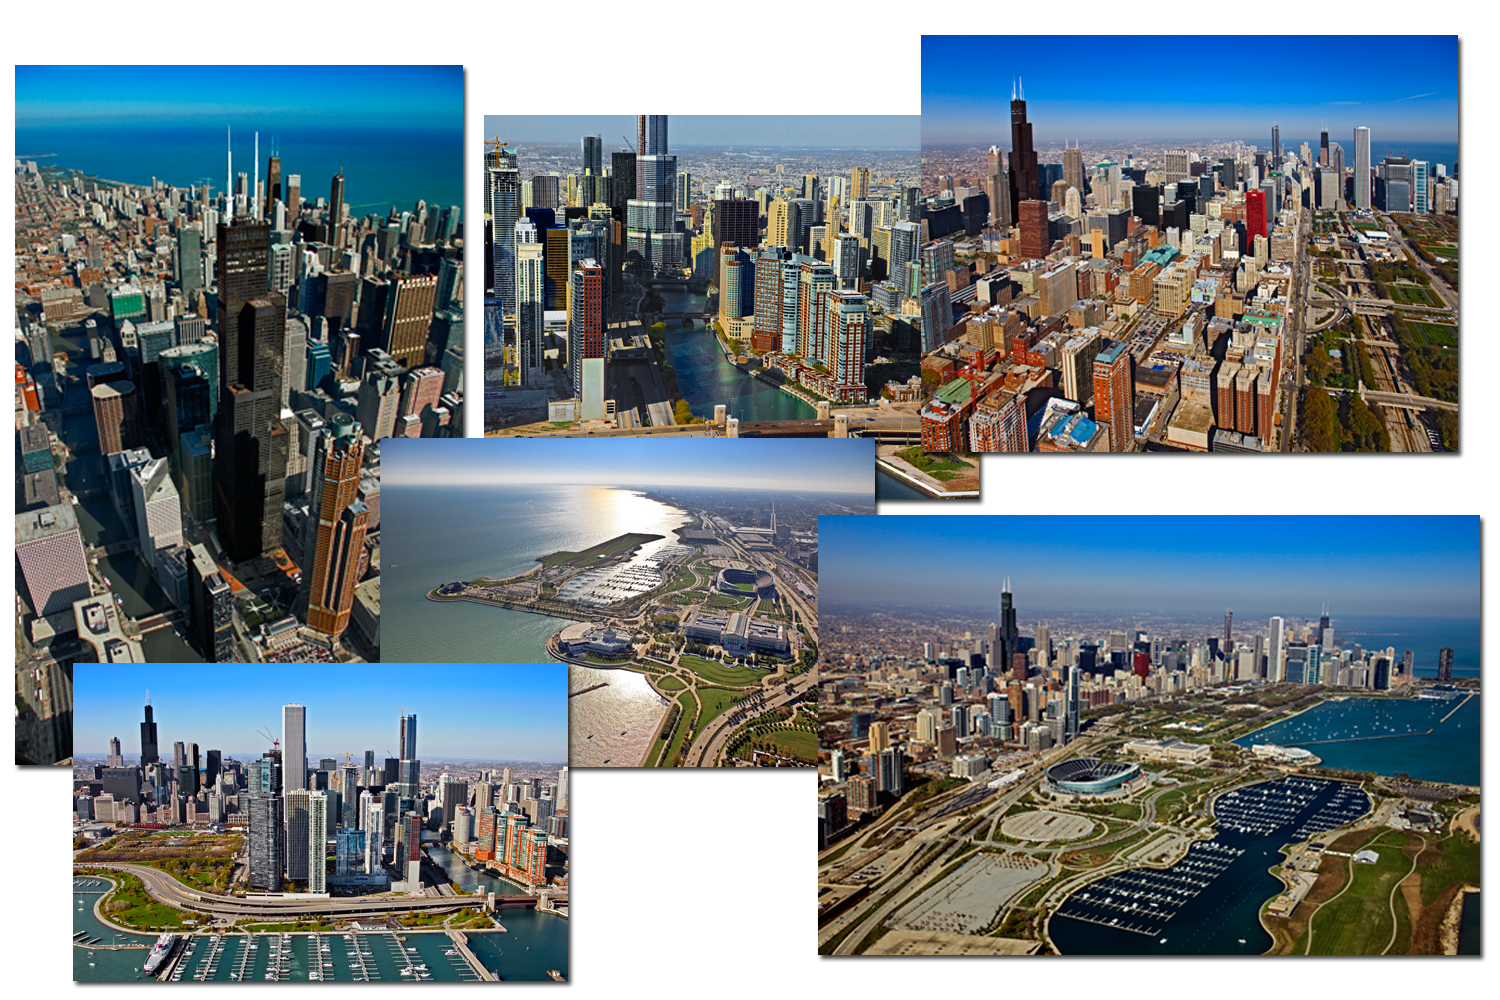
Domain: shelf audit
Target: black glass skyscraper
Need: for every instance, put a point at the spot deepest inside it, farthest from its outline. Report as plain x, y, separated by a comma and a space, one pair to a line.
251, 443
149, 754
1008, 635
1023, 170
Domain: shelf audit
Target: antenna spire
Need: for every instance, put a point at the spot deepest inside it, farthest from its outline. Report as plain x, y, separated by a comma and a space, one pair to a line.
1023, 88
1013, 90
229, 177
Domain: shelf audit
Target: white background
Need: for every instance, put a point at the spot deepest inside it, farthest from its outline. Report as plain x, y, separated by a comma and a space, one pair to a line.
705, 885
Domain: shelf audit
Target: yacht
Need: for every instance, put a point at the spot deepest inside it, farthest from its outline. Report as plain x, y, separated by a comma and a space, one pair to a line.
160, 953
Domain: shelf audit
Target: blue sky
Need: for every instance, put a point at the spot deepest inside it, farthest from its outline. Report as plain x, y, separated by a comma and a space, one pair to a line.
1403, 87
1359, 565
814, 465
345, 95
874, 131
501, 711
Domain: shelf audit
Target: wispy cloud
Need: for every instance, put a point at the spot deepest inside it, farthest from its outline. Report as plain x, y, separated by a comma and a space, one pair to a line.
1413, 97
1346, 102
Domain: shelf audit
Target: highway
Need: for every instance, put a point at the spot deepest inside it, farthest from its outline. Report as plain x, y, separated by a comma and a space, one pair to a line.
165, 889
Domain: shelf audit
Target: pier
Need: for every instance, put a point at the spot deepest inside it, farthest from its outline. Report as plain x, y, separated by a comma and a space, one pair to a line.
1455, 708
591, 687
1358, 739
461, 942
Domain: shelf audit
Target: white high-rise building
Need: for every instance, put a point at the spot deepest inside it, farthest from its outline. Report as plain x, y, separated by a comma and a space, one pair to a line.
530, 305
374, 837
1362, 168
1275, 651
293, 746
298, 820
316, 858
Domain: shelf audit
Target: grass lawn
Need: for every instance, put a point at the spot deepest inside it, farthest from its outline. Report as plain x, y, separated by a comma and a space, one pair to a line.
795, 743
689, 709
725, 601
719, 673
715, 701
1412, 295
612, 547
935, 462
1459, 863
1435, 333
1358, 922
670, 683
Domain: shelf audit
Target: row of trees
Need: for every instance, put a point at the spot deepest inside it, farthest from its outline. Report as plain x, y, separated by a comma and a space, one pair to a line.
1347, 425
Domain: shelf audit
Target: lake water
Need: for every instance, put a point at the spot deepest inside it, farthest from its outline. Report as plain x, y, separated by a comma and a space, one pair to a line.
1368, 729
611, 726
382, 167
1425, 637
707, 379
889, 487
1211, 901
439, 534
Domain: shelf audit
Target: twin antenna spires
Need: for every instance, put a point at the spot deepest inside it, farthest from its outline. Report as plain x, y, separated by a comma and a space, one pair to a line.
1017, 87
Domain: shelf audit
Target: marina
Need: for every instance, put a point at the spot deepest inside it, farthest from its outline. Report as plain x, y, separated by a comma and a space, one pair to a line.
1209, 902
526, 948
1431, 739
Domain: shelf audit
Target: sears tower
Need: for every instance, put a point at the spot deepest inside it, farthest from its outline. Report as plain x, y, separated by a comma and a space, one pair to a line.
250, 441
149, 753
1023, 172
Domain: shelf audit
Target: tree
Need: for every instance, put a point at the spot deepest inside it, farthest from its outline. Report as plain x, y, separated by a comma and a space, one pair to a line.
1320, 422
682, 412
1317, 365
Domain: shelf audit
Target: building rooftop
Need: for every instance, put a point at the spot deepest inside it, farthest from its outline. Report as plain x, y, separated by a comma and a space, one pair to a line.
46, 522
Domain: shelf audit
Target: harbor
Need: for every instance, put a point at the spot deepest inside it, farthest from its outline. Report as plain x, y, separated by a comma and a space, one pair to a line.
525, 945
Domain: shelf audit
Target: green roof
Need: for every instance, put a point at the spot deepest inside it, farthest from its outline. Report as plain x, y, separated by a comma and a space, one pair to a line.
955, 393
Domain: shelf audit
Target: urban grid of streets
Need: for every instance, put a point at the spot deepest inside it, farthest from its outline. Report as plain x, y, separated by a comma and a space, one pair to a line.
1376, 318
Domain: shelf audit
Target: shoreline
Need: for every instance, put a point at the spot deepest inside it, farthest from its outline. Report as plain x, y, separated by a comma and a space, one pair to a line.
1452, 920
886, 466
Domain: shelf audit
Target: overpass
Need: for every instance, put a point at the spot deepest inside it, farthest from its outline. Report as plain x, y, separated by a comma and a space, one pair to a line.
1407, 401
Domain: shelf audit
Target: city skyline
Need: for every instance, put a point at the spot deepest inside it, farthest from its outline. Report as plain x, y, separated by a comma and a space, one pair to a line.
1296, 564
1090, 100
836, 466
815, 131
524, 715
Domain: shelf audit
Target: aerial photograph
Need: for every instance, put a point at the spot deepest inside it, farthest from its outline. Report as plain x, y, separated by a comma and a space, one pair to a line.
677, 578
707, 276
232, 284
219, 837
1111, 265
1149, 736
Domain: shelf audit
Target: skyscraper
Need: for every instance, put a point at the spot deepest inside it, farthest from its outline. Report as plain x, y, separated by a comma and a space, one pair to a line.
997, 189
1035, 238
1255, 216
49, 549
1007, 635
336, 211
737, 222
1023, 169
315, 858
294, 745
586, 319
1074, 696
593, 154
1275, 651
342, 522
1073, 168
1114, 394
250, 461
1323, 150
504, 195
1362, 167
1445, 665
296, 811
652, 241
408, 737
267, 841
149, 753
531, 304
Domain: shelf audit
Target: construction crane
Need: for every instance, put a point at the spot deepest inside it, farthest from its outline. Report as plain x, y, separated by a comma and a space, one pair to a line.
627, 144
347, 755
275, 743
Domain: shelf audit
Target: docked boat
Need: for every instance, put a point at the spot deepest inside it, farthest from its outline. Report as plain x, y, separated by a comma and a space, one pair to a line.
165, 945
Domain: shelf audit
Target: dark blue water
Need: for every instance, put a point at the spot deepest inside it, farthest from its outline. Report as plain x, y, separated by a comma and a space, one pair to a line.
382, 168
889, 487
1222, 918
1468, 926
1423, 636
1370, 728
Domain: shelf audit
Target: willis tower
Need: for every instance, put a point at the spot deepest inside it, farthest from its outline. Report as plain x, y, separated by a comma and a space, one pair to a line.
149, 754
1023, 170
